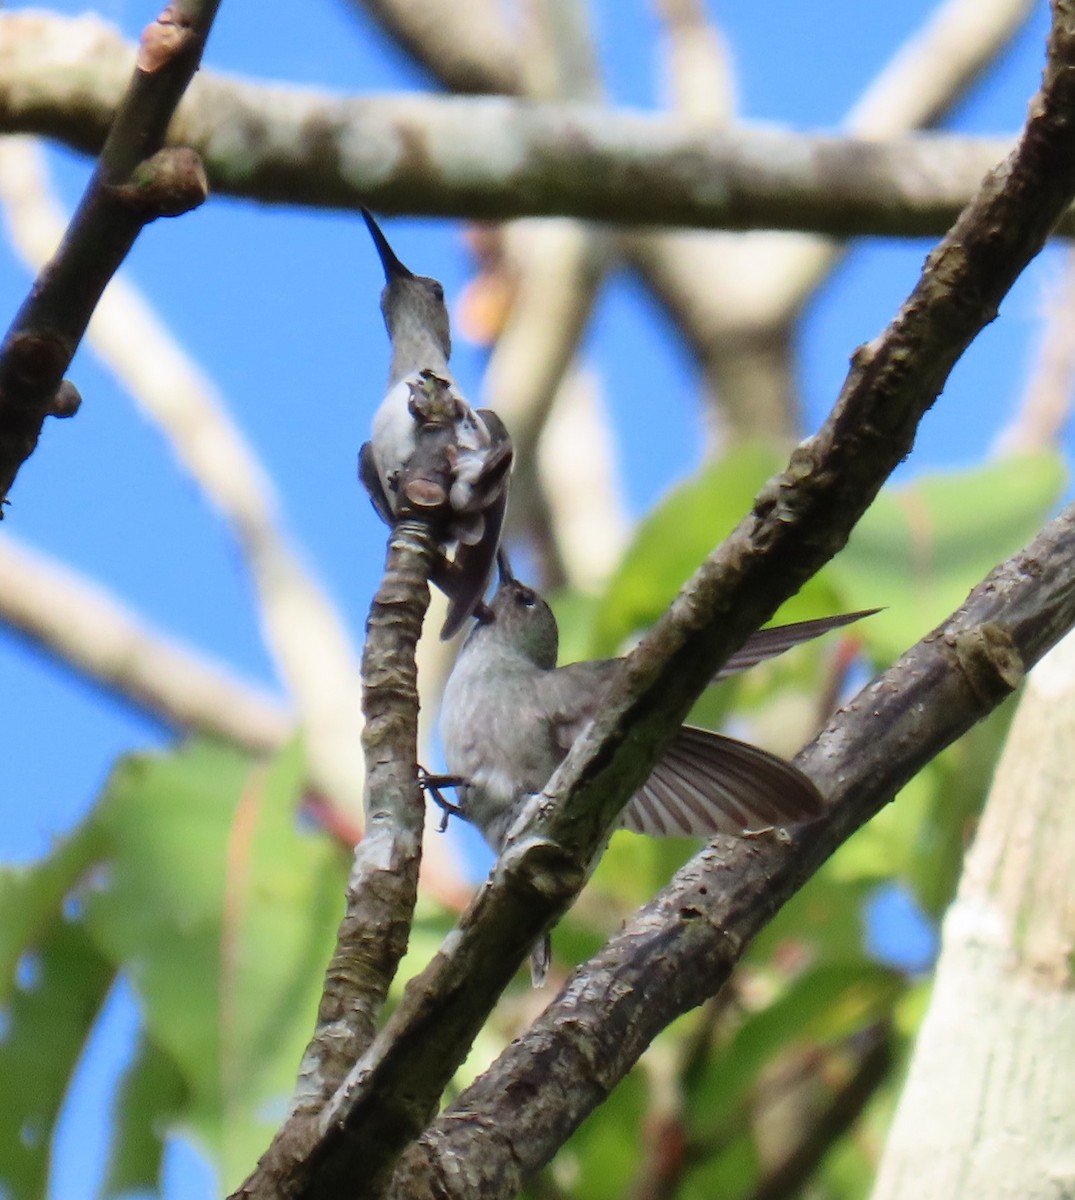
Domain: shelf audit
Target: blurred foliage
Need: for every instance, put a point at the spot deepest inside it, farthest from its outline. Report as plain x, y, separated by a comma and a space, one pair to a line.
194, 880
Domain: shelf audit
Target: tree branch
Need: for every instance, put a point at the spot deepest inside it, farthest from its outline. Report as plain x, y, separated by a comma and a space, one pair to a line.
788, 1177
737, 298
134, 182
383, 885
800, 519
92, 633
497, 158
473, 52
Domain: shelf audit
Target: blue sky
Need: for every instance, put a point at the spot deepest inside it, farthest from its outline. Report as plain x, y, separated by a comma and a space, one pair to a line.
279, 307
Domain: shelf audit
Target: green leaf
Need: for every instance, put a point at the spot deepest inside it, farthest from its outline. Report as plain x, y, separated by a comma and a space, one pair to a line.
922, 546
223, 913
671, 542
64, 980
31, 898
148, 1103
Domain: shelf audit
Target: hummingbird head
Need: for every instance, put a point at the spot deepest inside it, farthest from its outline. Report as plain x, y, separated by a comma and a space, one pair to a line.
410, 304
518, 618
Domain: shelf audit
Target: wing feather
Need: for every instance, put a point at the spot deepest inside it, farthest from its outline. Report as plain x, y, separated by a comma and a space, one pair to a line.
707, 783
768, 643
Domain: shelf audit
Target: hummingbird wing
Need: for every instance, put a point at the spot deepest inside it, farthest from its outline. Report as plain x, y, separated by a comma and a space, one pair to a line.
371, 481
465, 580
768, 643
496, 461
707, 783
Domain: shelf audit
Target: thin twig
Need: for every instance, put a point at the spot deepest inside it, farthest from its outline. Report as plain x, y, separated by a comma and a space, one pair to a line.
134, 182
787, 1178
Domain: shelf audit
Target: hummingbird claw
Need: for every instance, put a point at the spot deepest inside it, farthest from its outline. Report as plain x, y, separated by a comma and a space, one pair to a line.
432, 784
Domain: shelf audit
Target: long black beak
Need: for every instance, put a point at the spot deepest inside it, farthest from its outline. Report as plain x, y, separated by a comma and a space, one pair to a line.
393, 268
503, 566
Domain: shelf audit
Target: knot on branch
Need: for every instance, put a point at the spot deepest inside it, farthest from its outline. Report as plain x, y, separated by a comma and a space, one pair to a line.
989, 661
34, 361
544, 867
169, 37
170, 183
66, 400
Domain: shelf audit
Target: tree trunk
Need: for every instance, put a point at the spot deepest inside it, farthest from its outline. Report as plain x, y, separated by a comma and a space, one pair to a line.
988, 1110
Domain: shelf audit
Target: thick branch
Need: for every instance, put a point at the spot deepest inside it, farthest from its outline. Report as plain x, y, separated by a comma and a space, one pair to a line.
497, 158
683, 945
799, 520
134, 182
383, 886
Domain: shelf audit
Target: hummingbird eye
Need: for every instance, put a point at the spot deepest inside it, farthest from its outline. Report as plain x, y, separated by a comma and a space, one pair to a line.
525, 597
438, 292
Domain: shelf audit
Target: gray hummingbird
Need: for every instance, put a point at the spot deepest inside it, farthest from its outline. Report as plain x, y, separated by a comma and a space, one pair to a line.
510, 715
423, 398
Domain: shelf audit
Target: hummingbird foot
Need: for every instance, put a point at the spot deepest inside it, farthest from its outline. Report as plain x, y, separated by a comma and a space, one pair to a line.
432, 784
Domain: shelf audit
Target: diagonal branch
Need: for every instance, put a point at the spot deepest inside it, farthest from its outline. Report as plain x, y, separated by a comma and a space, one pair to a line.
496, 158
473, 52
93, 633
134, 182
800, 519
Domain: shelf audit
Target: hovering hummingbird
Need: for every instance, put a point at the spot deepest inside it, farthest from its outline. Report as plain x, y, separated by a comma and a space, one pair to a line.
509, 716
423, 400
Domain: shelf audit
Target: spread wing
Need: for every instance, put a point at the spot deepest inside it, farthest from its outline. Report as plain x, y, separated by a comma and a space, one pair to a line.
371, 481
768, 643
707, 784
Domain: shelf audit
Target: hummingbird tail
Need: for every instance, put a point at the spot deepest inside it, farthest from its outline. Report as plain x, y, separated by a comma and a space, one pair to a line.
540, 960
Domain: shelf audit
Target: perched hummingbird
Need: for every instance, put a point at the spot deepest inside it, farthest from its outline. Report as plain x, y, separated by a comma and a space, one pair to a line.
510, 715
422, 397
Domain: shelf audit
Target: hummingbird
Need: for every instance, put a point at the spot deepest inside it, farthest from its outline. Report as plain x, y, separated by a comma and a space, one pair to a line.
423, 399
510, 715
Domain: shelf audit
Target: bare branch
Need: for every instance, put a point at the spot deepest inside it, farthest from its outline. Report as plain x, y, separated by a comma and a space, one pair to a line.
473, 51
736, 298
698, 70
498, 158
938, 65
1044, 409
580, 479
788, 1176
383, 886
91, 632
135, 181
